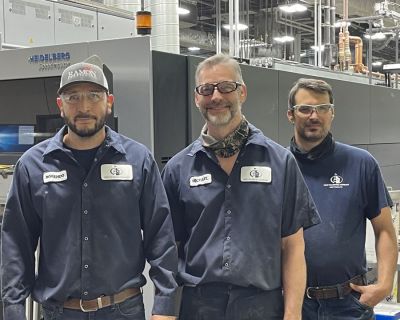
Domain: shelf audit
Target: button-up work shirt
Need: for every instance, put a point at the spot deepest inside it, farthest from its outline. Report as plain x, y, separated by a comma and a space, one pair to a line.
230, 227
96, 229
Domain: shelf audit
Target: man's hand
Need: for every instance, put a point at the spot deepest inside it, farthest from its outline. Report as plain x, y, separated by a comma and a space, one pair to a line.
157, 317
372, 294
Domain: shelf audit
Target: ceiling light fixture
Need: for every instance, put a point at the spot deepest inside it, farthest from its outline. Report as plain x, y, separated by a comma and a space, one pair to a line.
376, 36
183, 11
377, 63
293, 8
194, 49
315, 48
241, 27
284, 39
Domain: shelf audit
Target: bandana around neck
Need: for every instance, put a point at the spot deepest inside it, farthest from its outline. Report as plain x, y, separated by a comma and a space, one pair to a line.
231, 144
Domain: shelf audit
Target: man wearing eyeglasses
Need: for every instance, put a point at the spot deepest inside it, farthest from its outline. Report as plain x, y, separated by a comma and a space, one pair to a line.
95, 200
348, 188
239, 206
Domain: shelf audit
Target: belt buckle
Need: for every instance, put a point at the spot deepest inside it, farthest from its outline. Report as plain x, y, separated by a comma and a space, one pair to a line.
308, 292
99, 305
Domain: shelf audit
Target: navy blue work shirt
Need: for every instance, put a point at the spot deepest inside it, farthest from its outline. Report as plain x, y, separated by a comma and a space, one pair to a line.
230, 227
348, 188
90, 226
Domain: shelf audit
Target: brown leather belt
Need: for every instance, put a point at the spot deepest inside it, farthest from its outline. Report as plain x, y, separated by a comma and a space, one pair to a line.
101, 302
337, 291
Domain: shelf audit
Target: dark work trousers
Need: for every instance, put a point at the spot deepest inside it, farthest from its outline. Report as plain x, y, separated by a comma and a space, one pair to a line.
217, 301
347, 308
130, 309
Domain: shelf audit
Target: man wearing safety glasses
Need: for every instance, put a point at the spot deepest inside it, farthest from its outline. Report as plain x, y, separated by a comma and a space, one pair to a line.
96, 201
239, 205
348, 188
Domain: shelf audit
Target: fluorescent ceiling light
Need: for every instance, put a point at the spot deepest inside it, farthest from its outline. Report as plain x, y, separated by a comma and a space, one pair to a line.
315, 48
183, 11
284, 39
292, 8
241, 27
193, 48
339, 24
376, 36
377, 63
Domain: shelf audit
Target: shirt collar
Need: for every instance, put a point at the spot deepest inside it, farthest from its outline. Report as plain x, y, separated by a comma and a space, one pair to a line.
255, 137
326, 147
56, 143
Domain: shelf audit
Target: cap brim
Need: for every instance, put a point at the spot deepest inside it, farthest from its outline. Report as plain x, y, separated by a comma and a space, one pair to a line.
63, 88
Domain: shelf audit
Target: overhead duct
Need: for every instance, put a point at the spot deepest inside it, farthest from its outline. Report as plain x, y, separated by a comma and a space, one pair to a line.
165, 29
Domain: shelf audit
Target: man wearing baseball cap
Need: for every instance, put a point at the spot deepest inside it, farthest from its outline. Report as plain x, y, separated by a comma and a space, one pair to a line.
95, 200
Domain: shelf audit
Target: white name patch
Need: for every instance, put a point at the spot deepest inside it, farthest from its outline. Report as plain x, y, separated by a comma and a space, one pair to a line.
116, 172
54, 176
255, 174
200, 180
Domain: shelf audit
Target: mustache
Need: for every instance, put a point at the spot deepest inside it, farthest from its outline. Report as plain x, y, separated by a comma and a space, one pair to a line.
313, 121
84, 116
218, 104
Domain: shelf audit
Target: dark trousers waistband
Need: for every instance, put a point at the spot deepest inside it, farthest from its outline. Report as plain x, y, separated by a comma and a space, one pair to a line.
220, 288
101, 302
337, 291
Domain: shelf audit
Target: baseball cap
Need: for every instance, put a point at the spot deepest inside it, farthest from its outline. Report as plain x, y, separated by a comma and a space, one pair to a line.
87, 71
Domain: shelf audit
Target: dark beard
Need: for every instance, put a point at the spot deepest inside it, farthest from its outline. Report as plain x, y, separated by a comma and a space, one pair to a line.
88, 132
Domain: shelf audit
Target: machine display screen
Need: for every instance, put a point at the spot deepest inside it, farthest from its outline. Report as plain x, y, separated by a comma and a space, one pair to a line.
16, 138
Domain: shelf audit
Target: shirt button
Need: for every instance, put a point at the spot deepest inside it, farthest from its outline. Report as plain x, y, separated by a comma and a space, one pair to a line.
85, 212
228, 186
95, 159
228, 238
85, 185
86, 266
229, 212
85, 293
226, 264
86, 238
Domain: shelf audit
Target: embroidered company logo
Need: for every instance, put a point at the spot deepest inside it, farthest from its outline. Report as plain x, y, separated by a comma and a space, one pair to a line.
255, 173
115, 171
84, 72
336, 182
336, 179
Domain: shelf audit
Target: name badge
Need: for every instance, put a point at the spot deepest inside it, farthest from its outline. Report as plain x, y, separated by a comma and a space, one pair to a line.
255, 174
200, 180
54, 176
116, 172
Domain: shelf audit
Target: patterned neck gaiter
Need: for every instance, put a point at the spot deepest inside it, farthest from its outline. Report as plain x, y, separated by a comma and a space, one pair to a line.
230, 145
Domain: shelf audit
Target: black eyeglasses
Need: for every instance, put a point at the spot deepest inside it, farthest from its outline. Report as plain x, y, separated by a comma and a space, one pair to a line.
207, 89
306, 110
